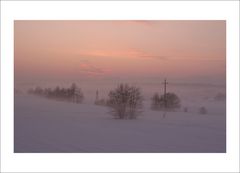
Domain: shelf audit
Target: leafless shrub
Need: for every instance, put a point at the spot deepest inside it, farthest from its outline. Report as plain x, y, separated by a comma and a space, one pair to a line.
220, 97
202, 110
72, 94
168, 102
125, 102
185, 109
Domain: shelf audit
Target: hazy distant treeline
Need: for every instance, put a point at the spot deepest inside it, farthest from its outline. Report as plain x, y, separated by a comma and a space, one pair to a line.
72, 94
125, 101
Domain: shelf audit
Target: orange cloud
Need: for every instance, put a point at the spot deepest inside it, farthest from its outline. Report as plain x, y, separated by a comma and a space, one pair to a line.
130, 53
93, 70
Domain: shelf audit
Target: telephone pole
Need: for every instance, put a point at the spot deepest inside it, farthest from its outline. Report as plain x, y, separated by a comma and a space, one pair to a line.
165, 92
96, 96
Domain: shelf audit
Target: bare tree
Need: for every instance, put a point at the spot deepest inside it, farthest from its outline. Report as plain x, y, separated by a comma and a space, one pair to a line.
202, 110
125, 101
168, 101
72, 94
78, 95
220, 97
98, 101
155, 101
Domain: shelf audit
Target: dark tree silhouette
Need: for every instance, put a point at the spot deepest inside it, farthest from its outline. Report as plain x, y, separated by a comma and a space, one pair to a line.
169, 101
202, 110
125, 101
98, 101
220, 97
155, 101
72, 94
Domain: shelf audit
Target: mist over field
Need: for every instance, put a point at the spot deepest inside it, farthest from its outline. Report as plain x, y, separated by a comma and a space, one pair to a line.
186, 91
43, 125
98, 86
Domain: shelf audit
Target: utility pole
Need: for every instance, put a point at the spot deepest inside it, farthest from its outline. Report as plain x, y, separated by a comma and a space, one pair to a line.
96, 96
165, 92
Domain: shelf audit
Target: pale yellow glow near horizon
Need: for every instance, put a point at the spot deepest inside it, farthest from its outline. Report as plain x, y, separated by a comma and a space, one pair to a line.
62, 50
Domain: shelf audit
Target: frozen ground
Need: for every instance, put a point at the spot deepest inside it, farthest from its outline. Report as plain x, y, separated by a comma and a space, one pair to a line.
42, 125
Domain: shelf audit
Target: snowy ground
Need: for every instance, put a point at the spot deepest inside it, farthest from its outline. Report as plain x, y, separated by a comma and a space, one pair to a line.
42, 125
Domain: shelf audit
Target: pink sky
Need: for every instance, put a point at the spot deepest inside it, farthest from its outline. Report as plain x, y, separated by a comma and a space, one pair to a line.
75, 50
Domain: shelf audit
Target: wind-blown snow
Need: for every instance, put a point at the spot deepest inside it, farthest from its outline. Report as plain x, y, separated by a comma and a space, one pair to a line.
42, 125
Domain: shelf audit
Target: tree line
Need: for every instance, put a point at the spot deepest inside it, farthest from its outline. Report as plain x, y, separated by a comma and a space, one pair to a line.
125, 101
71, 94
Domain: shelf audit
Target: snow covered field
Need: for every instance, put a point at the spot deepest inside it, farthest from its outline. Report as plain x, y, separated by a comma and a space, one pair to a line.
43, 125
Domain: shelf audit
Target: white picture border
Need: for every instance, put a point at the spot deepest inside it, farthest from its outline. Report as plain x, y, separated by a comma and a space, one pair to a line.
116, 10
